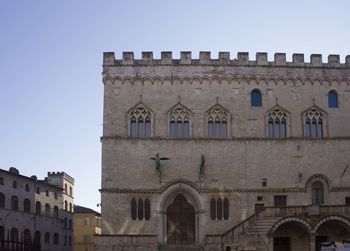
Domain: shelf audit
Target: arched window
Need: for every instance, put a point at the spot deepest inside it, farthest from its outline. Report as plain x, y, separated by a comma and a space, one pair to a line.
213, 209
1, 180
65, 205
277, 123
332, 99
140, 209
226, 209
179, 122
133, 209
147, 209
14, 184
14, 234
38, 190
255, 98
47, 193
26, 205
65, 188
313, 120
2, 233
47, 238
70, 225
37, 238
228, 248
70, 207
2, 200
47, 209
317, 193
65, 223
71, 191
14, 203
55, 211
219, 209
38, 207
56, 240
27, 188
217, 122
27, 237
140, 122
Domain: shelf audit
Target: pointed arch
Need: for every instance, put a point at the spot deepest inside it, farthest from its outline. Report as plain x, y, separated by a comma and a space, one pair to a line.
277, 120
218, 122
140, 119
179, 121
314, 121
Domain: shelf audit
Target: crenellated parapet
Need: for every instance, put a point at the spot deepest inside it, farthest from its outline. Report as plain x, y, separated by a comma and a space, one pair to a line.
61, 174
224, 58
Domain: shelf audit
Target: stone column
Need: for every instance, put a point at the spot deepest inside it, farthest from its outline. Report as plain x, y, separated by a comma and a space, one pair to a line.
270, 243
312, 240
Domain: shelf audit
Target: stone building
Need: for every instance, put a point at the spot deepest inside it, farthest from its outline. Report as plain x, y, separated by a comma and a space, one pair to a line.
87, 224
33, 210
225, 154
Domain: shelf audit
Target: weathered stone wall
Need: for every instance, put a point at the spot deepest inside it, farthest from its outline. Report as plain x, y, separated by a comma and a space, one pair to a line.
235, 166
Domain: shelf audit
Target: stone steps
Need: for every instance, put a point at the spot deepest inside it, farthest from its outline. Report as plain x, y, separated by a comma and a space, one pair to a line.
180, 248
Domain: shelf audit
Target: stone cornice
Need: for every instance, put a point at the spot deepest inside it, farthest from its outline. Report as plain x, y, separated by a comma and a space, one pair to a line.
221, 191
240, 139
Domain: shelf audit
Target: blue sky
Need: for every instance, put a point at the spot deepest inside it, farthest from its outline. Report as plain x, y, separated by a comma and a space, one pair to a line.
51, 54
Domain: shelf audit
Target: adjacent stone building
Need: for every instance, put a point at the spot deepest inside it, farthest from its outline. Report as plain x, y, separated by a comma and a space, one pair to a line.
225, 154
87, 224
32, 210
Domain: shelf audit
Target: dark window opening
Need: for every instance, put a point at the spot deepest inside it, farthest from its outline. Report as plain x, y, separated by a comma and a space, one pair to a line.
255, 98
332, 99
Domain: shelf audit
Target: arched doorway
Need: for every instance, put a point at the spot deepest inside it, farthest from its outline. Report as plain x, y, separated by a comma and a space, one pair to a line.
291, 236
180, 222
331, 229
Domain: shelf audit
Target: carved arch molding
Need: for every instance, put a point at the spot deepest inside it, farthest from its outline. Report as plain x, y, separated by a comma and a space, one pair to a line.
246, 80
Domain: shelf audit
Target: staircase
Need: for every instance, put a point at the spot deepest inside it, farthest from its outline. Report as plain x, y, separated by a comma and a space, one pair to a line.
252, 233
167, 247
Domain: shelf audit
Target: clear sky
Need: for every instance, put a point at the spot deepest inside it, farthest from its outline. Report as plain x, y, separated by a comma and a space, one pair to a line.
51, 55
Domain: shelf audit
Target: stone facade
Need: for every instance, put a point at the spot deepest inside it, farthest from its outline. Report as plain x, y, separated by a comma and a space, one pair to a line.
245, 162
35, 208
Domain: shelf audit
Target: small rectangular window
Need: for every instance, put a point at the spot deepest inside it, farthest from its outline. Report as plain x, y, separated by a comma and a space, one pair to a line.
280, 201
1, 180
47, 193
56, 196
347, 201
38, 190
259, 207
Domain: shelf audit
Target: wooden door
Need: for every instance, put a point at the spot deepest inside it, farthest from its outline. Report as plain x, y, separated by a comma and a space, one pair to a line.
180, 222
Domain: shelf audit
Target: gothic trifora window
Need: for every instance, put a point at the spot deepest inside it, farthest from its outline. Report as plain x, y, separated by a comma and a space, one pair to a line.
140, 209
140, 122
277, 123
179, 122
219, 209
217, 122
313, 123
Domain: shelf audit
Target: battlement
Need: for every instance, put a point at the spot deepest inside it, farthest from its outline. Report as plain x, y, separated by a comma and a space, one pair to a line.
61, 174
224, 58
